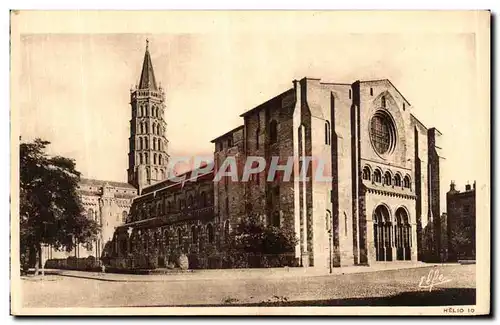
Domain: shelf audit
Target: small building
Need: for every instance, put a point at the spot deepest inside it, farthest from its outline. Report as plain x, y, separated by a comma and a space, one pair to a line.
461, 223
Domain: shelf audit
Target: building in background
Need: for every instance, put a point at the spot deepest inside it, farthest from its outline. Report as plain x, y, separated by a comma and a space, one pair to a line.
461, 223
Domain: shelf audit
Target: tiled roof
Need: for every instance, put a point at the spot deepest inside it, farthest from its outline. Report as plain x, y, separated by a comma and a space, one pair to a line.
98, 182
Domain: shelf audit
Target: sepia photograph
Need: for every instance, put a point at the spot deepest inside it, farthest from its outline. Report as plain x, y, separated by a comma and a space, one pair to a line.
250, 163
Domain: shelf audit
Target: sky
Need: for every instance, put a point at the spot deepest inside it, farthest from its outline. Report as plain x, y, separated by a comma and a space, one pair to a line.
75, 88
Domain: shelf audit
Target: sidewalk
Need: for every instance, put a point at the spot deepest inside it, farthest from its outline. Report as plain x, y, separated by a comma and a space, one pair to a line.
199, 275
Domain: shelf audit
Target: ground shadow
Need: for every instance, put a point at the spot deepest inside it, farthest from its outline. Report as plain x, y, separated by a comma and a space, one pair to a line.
437, 297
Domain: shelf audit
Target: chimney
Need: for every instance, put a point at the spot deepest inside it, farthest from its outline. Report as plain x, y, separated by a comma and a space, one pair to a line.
452, 186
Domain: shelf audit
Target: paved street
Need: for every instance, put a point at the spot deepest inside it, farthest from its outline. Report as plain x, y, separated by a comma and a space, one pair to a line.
386, 287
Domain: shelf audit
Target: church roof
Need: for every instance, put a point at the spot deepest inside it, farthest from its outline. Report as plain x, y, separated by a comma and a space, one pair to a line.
98, 182
148, 80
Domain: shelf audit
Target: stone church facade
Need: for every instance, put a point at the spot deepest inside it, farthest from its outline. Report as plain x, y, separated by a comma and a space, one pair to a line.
376, 205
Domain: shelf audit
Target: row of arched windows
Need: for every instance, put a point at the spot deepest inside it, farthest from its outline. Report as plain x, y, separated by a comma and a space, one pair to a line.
165, 206
164, 238
145, 110
387, 178
143, 143
155, 128
143, 158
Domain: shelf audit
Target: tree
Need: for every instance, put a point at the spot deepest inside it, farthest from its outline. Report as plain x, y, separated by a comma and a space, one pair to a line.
252, 236
50, 208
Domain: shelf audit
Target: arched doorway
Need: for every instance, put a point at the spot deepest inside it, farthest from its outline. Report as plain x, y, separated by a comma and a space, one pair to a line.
382, 227
402, 233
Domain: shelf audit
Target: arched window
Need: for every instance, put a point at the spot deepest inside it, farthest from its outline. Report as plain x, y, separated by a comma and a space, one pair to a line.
154, 159
276, 222
160, 161
203, 199
147, 128
158, 129
382, 233
157, 174
407, 182
142, 110
162, 172
146, 142
397, 180
328, 220
154, 143
159, 144
387, 179
366, 173
383, 101
210, 232
402, 235
377, 176
273, 131
142, 128
179, 236
194, 234
141, 161
138, 144
327, 133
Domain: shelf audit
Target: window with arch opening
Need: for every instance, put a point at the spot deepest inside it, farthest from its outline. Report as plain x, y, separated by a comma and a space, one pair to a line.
179, 236
203, 199
194, 234
397, 180
407, 182
327, 133
366, 173
387, 179
276, 220
383, 101
377, 176
210, 232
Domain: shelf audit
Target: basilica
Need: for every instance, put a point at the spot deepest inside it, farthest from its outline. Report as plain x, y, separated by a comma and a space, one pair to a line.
382, 203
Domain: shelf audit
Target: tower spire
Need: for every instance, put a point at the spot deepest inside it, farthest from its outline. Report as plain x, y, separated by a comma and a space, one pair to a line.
147, 80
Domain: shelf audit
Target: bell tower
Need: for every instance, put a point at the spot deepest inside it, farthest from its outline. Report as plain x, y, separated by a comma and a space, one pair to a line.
148, 144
